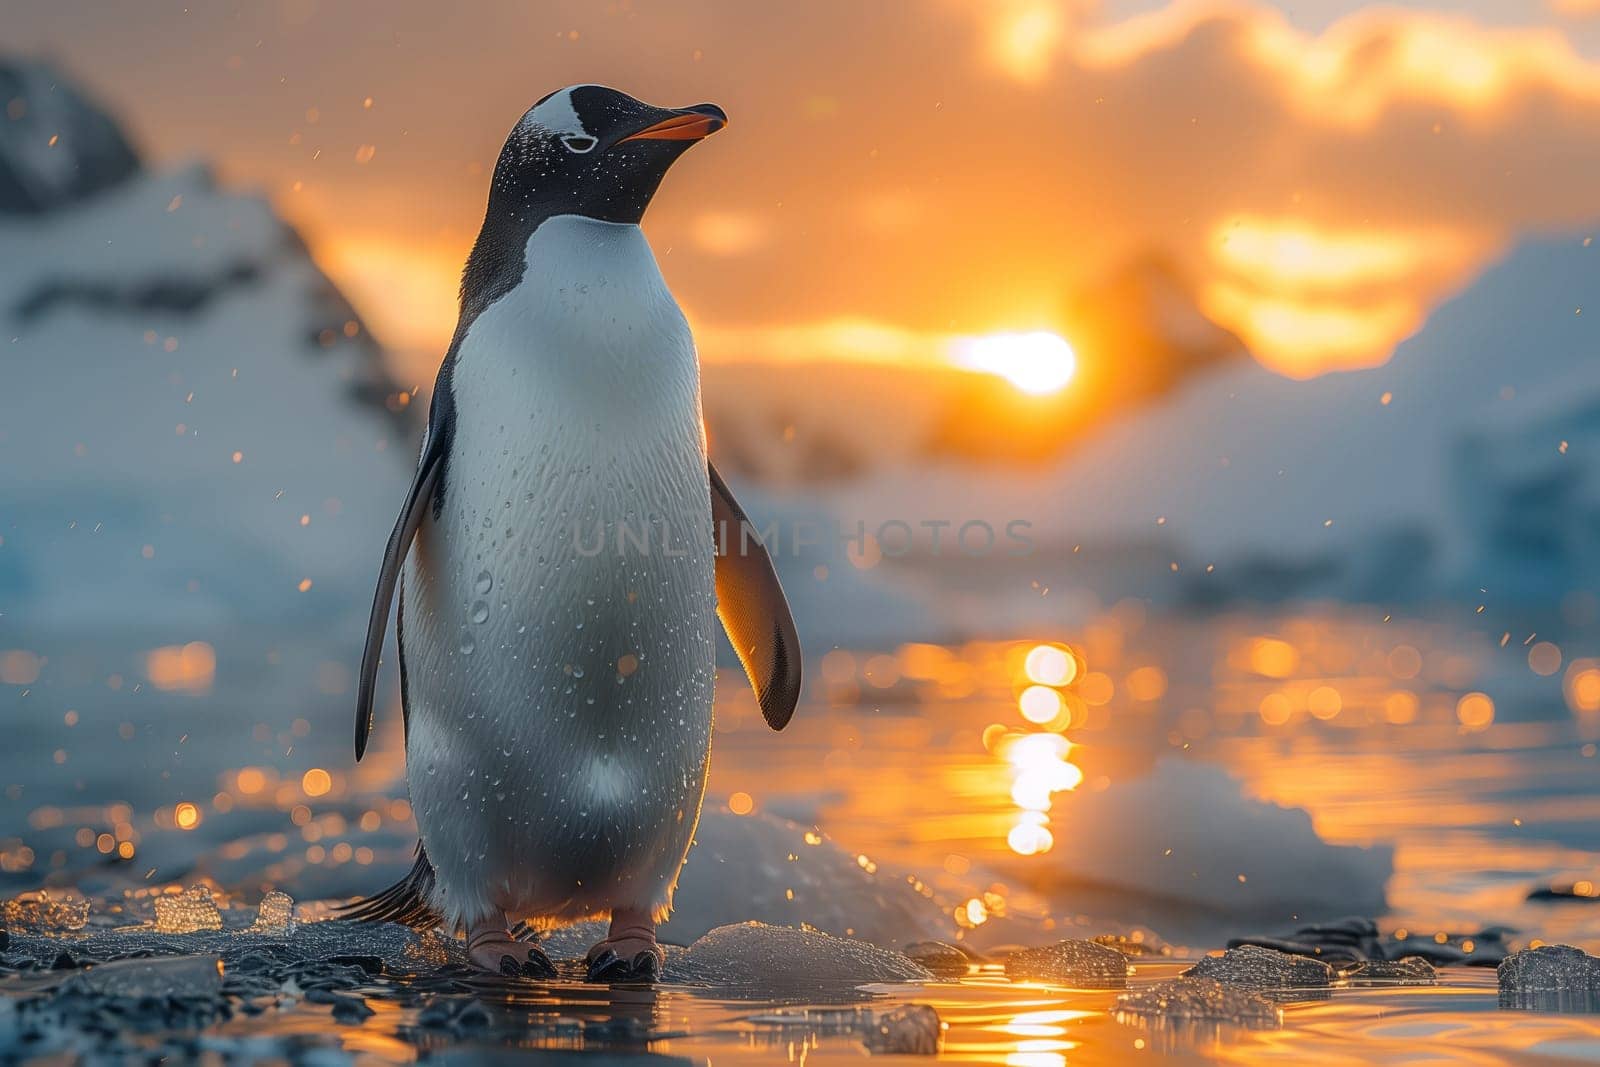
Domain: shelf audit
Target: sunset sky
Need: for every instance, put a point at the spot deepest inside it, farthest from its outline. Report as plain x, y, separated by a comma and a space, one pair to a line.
897, 175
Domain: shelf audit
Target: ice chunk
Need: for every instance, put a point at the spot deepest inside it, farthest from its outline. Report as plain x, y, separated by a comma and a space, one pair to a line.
1550, 967
276, 915
189, 912
46, 910
1199, 999
161, 976
1413, 970
754, 952
774, 871
1255, 967
1080, 963
942, 959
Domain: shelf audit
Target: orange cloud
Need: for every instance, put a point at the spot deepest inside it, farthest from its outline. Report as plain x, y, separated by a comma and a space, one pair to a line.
890, 182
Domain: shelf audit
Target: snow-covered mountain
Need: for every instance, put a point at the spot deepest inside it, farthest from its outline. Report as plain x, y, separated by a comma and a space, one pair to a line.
200, 456
1464, 463
198, 420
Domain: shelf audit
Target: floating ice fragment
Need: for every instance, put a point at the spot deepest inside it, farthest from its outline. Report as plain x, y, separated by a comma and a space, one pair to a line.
160, 976
1255, 967
1550, 967
1413, 970
189, 912
754, 952
942, 959
46, 910
1070, 962
1199, 999
276, 915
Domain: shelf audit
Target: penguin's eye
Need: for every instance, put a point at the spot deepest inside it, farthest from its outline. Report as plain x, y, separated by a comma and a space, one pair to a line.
576, 142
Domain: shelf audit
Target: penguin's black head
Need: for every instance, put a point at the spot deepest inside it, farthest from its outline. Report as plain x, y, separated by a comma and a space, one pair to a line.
593, 151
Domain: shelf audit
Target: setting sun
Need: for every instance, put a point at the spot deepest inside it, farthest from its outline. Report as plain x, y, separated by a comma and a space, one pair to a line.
1039, 362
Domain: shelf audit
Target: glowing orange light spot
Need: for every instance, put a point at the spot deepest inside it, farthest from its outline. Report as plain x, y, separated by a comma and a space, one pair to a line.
1400, 707
1272, 658
1324, 702
1040, 704
316, 782
1583, 686
741, 804
20, 667
186, 815
183, 667
1038, 363
1050, 665
1475, 711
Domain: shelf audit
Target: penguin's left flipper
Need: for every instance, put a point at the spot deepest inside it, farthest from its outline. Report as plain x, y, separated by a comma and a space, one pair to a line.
753, 609
429, 467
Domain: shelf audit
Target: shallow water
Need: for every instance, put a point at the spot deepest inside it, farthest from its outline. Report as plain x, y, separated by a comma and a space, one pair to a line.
985, 1019
889, 758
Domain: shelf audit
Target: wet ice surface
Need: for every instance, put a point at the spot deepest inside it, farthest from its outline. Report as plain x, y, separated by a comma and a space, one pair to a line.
1207, 999
901, 787
1254, 967
110, 983
1077, 963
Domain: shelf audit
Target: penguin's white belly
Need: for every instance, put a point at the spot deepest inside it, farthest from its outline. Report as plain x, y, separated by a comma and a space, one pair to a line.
559, 614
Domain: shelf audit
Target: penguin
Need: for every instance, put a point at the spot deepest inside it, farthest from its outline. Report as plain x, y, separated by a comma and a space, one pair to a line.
558, 566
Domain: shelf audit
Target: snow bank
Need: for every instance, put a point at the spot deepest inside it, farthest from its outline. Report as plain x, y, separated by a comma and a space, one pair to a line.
1181, 846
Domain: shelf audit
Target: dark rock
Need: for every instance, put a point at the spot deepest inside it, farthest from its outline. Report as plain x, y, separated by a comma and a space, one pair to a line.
90, 153
173, 295
1583, 892
371, 965
1070, 962
64, 962
452, 1013
1254, 967
352, 1010
1348, 940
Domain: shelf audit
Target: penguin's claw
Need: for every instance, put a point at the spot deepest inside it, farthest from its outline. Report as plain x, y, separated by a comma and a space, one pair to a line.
513, 959
608, 968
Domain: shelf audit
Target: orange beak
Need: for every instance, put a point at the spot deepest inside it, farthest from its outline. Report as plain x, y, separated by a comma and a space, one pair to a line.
684, 127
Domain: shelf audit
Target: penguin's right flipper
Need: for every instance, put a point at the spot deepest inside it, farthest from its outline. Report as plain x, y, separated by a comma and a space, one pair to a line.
429, 468
754, 610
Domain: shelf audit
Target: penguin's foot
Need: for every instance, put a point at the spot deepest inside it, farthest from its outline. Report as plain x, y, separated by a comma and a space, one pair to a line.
629, 953
494, 948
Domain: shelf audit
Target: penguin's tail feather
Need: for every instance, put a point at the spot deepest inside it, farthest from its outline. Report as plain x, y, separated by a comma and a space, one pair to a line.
406, 902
